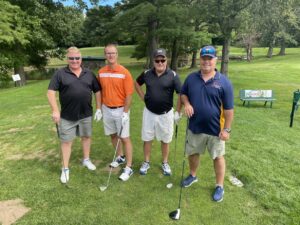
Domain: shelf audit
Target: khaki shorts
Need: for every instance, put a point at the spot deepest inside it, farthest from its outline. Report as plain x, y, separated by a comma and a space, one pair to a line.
68, 130
112, 120
159, 126
198, 143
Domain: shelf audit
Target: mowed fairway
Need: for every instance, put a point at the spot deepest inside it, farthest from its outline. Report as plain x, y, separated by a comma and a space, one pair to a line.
263, 152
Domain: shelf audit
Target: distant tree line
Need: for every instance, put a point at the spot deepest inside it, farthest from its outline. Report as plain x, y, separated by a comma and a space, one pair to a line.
31, 31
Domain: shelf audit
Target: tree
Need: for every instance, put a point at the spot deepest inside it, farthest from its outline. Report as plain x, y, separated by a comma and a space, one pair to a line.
225, 13
97, 25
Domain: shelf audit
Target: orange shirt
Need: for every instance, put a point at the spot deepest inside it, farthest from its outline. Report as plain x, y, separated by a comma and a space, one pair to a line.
116, 84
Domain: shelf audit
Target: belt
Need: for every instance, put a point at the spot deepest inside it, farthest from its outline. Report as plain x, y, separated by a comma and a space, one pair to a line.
114, 107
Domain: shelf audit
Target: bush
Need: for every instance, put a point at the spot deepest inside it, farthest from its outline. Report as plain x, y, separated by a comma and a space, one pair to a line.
41, 74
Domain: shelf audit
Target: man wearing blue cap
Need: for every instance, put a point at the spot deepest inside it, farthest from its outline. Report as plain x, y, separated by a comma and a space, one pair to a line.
207, 96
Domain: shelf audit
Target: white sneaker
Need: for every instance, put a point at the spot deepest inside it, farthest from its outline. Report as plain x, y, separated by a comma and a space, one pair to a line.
118, 161
144, 168
88, 164
64, 177
166, 169
127, 172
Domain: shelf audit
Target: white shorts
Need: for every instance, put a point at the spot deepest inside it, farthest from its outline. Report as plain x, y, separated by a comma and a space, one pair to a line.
112, 120
160, 126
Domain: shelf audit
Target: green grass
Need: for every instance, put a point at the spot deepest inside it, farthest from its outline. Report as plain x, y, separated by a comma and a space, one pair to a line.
263, 152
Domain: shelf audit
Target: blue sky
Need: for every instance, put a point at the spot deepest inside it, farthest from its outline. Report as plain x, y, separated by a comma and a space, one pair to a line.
102, 2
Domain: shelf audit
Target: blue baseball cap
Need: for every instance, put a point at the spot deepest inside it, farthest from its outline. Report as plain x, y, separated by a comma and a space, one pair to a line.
208, 51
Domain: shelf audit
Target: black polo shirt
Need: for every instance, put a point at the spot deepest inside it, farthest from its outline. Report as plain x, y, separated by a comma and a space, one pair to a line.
75, 93
159, 89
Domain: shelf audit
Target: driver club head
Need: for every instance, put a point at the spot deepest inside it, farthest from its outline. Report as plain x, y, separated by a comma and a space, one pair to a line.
169, 185
103, 188
175, 215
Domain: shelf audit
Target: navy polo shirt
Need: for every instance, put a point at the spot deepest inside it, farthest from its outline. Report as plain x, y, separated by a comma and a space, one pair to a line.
75, 93
208, 99
159, 89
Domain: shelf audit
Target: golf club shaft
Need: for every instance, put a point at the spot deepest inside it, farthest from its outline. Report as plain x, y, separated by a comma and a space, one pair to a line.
183, 162
117, 146
61, 153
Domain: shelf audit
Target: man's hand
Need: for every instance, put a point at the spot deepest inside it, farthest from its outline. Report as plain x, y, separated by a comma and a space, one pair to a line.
125, 118
177, 117
55, 117
98, 115
189, 110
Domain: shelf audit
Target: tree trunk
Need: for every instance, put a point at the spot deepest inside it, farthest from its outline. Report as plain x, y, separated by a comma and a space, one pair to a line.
20, 70
194, 59
174, 58
270, 51
282, 48
225, 56
152, 43
249, 53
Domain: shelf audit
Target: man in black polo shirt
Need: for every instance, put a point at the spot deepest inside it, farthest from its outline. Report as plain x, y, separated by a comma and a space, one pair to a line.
158, 116
75, 86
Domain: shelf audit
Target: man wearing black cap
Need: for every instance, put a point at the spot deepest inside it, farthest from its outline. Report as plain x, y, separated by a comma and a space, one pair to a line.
207, 96
158, 116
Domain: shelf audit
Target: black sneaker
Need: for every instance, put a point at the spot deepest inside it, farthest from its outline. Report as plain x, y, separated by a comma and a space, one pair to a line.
118, 161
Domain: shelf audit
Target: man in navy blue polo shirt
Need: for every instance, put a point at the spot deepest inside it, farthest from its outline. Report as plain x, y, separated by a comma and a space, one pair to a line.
75, 85
207, 96
158, 116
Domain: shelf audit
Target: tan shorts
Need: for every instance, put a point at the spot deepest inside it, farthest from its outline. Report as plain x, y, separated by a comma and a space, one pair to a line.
159, 126
112, 120
68, 130
198, 143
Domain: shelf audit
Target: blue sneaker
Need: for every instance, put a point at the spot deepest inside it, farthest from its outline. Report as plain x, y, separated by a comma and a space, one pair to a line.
189, 181
218, 194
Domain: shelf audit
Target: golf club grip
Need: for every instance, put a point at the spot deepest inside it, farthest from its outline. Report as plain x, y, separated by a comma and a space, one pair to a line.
176, 130
57, 130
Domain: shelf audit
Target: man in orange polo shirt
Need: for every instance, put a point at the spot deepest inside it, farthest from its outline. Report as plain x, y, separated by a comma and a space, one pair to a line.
117, 89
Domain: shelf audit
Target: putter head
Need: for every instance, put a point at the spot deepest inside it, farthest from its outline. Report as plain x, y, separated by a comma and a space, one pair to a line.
170, 185
175, 215
103, 188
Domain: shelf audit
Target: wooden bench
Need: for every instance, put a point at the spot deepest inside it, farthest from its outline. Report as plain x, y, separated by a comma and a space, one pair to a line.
257, 95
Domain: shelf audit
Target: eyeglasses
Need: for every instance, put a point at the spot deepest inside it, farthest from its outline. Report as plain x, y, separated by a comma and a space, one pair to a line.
160, 60
110, 53
74, 58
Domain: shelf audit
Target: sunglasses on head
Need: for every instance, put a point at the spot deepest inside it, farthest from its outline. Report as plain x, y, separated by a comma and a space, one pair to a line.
160, 60
74, 58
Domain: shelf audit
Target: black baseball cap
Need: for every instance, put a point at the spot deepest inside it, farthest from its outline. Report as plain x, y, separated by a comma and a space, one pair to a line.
160, 52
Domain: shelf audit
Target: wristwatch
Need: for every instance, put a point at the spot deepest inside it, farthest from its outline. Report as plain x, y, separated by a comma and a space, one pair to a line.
228, 130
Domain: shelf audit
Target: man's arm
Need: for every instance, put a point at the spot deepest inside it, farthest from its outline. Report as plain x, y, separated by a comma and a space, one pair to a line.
139, 90
228, 115
98, 99
188, 108
53, 104
128, 100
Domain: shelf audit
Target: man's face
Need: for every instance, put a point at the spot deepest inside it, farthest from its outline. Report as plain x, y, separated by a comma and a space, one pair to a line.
208, 64
74, 60
111, 54
160, 64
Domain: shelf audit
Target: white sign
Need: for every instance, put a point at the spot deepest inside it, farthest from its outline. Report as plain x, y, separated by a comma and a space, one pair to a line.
16, 77
258, 93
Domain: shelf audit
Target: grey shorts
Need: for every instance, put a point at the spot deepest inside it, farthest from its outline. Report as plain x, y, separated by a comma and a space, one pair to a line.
198, 143
68, 130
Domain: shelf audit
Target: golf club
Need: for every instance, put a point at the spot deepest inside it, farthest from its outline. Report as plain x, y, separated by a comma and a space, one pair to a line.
175, 215
62, 157
170, 185
103, 188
